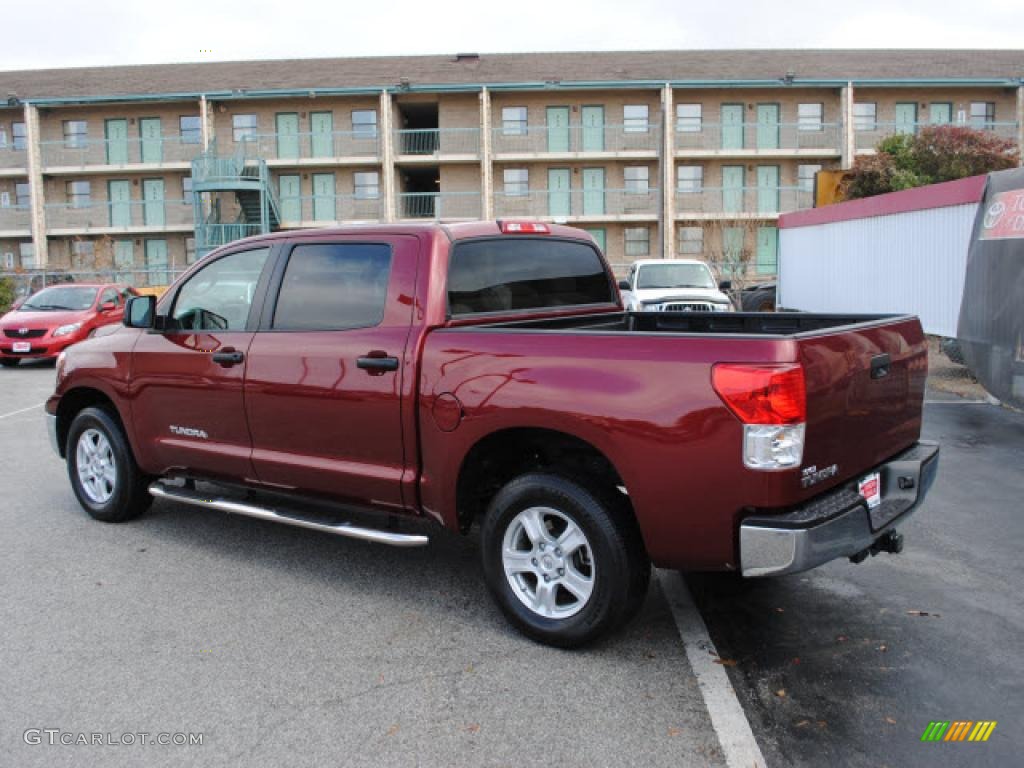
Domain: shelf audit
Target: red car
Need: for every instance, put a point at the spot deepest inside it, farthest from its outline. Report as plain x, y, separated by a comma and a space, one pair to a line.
352, 380
50, 321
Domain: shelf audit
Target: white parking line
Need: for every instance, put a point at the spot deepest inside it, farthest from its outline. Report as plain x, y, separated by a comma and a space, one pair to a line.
958, 402
727, 716
15, 413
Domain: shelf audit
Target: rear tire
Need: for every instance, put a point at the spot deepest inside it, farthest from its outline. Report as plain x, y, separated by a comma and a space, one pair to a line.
564, 562
9, 362
104, 476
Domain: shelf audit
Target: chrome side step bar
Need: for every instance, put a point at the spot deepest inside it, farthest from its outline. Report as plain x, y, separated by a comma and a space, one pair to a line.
188, 496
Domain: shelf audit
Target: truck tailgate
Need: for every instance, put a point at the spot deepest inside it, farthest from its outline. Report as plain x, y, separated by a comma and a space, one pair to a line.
865, 392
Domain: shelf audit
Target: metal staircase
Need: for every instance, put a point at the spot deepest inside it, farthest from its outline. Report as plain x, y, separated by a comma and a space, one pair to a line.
255, 210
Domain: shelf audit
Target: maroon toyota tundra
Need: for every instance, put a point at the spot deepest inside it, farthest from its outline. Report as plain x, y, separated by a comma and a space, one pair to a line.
346, 380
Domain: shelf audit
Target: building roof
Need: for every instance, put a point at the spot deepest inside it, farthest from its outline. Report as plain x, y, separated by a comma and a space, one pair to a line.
1006, 66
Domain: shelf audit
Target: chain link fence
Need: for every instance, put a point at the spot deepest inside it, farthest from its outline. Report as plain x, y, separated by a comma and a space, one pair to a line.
26, 282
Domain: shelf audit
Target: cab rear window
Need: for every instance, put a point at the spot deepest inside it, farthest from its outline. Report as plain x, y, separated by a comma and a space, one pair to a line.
522, 273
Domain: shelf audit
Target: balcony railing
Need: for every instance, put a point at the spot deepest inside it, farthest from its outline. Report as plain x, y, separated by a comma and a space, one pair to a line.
564, 204
868, 136
438, 141
544, 139
758, 136
311, 145
13, 158
330, 209
15, 217
165, 149
743, 200
155, 214
439, 205
217, 234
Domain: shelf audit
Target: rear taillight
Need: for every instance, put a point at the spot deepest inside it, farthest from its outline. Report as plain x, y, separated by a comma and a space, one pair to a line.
771, 401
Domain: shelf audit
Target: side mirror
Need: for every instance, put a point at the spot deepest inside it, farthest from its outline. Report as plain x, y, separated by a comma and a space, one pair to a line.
725, 285
140, 312
624, 285
108, 306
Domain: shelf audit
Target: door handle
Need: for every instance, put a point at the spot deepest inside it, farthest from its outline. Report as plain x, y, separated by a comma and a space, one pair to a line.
228, 357
377, 362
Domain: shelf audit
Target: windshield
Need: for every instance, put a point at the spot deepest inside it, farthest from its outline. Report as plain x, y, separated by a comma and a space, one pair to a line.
62, 297
674, 276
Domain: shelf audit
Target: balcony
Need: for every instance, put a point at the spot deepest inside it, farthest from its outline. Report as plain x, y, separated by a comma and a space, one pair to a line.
434, 143
584, 141
868, 136
310, 211
13, 160
759, 139
15, 220
91, 154
580, 204
103, 218
439, 205
741, 202
309, 148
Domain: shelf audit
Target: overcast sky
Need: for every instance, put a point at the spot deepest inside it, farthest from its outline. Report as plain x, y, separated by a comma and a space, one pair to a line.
65, 33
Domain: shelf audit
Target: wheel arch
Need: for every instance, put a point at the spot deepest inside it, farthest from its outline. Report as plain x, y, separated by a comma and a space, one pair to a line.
73, 402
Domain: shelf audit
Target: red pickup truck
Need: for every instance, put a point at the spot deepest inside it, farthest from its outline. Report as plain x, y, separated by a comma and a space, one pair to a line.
347, 379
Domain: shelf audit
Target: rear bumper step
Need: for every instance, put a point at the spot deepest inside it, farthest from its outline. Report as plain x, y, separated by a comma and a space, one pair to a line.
233, 506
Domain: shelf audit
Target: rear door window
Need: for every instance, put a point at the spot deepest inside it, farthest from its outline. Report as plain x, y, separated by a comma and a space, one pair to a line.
521, 273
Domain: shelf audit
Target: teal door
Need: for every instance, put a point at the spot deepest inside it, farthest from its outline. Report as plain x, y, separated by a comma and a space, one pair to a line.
906, 117
941, 113
323, 197
768, 189
153, 203
289, 197
767, 126
156, 262
593, 129
559, 180
767, 250
288, 135
593, 191
558, 129
732, 188
124, 261
321, 125
116, 133
599, 237
732, 126
120, 195
152, 140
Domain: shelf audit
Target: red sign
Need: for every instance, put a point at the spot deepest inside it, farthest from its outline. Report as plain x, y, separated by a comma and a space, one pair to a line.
1004, 216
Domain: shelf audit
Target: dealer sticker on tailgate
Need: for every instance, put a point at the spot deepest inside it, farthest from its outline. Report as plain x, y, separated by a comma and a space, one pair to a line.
871, 489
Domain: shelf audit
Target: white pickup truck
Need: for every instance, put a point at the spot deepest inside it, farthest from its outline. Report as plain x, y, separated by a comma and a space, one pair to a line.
673, 285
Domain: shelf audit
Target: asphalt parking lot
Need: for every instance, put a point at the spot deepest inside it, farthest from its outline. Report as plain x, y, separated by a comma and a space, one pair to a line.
287, 647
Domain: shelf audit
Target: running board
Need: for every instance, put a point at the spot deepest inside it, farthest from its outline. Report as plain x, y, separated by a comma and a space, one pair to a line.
187, 496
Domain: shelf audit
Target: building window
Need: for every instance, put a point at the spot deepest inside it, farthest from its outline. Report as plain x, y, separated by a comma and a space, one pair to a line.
691, 241
805, 176
364, 124
79, 194
810, 117
186, 190
517, 181
243, 127
3, 137
637, 179
864, 116
5, 199
513, 121
983, 115
191, 129
23, 194
634, 118
8, 259
689, 178
190, 250
638, 241
27, 255
84, 253
367, 185
76, 133
19, 136
688, 118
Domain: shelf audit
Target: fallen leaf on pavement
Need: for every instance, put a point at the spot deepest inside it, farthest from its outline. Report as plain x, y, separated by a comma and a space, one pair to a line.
890, 721
803, 723
841, 638
674, 731
883, 647
392, 730
924, 613
473, 727
725, 662
781, 693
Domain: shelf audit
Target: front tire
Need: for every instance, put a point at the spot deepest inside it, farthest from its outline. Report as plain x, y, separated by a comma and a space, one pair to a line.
104, 476
10, 362
564, 562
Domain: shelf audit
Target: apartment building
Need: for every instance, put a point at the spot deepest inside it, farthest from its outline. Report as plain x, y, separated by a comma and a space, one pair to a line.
138, 171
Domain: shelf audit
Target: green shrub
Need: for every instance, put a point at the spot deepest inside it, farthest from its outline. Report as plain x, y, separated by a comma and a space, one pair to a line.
7, 293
